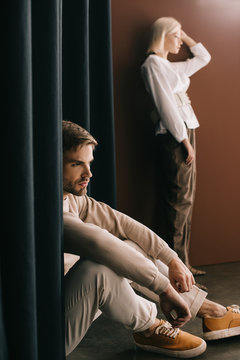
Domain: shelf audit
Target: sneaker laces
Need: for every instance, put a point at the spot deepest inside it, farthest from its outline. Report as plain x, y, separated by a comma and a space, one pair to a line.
166, 329
235, 309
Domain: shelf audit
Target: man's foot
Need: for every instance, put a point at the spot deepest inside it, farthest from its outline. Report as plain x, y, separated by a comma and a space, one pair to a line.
222, 327
171, 342
201, 286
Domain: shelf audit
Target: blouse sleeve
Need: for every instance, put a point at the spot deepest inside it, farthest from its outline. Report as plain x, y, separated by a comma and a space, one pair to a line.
155, 76
200, 59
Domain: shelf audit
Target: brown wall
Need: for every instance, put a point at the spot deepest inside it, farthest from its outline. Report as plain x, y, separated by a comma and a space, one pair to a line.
215, 95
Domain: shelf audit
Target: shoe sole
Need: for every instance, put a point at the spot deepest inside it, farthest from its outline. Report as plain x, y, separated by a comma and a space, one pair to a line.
221, 334
181, 354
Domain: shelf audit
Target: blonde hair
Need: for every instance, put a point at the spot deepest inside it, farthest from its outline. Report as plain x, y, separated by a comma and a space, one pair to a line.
161, 27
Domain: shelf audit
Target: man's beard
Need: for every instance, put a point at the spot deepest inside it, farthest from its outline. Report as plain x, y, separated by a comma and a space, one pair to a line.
70, 188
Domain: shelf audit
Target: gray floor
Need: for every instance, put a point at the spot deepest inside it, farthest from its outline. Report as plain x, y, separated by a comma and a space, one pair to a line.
107, 340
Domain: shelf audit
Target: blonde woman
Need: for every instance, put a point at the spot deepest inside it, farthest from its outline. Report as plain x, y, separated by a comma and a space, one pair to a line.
175, 120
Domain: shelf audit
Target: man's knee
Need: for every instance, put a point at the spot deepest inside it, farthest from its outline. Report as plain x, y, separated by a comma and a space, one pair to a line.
89, 272
97, 271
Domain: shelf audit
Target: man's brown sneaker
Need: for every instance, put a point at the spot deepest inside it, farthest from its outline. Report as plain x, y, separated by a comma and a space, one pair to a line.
223, 327
171, 342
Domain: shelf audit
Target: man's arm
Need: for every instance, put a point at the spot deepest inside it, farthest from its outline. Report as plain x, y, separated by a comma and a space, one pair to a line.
98, 245
124, 227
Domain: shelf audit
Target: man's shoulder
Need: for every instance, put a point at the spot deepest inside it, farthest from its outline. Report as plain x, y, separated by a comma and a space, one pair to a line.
82, 205
76, 204
77, 199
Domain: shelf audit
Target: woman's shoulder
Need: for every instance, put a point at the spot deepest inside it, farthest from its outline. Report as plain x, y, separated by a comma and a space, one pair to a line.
155, 61
154, 64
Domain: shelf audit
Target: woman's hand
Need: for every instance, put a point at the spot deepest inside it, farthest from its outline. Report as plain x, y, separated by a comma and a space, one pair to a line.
183, 35
190, 151
187, 40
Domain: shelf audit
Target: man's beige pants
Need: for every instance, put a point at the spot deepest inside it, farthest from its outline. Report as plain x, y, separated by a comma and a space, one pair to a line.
92, 289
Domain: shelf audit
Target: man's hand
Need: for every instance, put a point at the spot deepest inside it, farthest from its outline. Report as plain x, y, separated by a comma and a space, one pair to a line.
174, 307
180, 277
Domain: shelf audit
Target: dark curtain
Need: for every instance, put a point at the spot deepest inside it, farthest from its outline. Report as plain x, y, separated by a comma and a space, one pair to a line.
31, 253
87, 85
31, 257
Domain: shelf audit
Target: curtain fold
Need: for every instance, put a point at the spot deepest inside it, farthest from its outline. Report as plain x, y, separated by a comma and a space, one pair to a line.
31, 253
47, 115
18, 247
88, 85
31, 256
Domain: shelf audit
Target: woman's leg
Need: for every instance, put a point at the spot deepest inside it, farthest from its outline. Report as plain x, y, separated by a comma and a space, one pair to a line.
179, 182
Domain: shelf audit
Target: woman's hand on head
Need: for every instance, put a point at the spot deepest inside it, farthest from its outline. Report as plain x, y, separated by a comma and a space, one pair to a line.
183, 35
187, 39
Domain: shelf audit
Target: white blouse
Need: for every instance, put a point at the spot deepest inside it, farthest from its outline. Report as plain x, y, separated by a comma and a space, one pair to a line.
166, 81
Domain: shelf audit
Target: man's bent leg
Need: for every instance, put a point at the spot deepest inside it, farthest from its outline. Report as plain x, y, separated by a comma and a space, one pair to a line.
89, 287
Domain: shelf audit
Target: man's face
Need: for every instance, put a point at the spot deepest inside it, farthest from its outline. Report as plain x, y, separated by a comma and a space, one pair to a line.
76, 170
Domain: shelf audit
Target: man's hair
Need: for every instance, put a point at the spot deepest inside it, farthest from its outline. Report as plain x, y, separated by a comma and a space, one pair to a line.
73, 135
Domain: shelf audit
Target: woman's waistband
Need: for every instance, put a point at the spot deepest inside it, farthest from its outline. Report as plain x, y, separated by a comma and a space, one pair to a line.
182, 98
